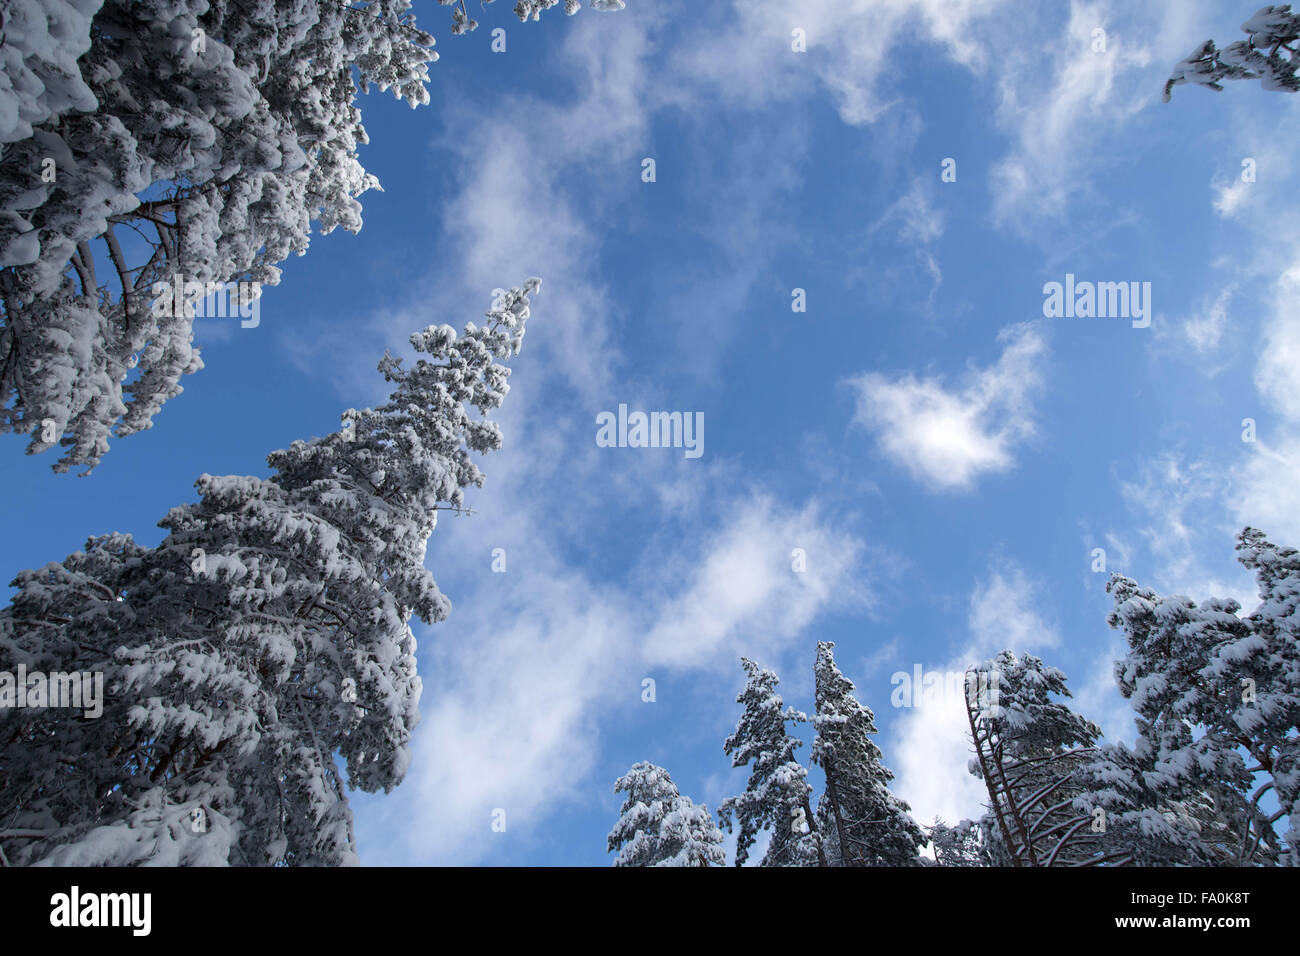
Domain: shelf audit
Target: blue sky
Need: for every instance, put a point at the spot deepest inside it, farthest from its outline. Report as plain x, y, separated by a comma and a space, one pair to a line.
946, 457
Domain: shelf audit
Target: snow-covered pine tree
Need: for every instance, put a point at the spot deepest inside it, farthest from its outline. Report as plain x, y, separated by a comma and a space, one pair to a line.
1034, 755
861, 823
1217, 697
659, 827
535, 8
778, 795
1268, 54
194, 142
962, 844
265, 636
1266, 705
1142, 820
39, 77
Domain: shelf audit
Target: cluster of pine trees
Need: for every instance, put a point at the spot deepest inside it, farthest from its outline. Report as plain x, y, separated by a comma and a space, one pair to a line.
266, 639
858, 822
1213, 778
144, 141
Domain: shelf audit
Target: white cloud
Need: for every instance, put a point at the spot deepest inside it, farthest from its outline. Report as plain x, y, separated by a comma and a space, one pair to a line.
1188, 532
1192, 509
912, 221
1064, 103
852, 49
745, 598
516, 211
1060, 125
1255, 148
1278, 374
1262, 490
914, 214
929, 757
1003, 616
1117, 552
1265, 492
932, 745
950, 437
1230, 195
1205, 330
1069, 106
517, 681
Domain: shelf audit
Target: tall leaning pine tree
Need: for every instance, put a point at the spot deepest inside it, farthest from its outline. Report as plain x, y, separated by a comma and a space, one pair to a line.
267, 635
777, 797
861, 822
1034, 754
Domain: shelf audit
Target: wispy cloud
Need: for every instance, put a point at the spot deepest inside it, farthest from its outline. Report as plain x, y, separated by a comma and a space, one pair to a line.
519, 681
1004, 615
913, 222
1278, 374
746, 596
1265, 493
852, 49
1179, 504
932, 746
1069, 103
534, 662
1205, 330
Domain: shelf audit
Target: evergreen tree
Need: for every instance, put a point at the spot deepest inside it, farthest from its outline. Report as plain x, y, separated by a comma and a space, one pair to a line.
1217, 697
659, 827
861, 822
777, 796
963, 844
267, 634
1259, 681
1268, 54
39, 77
535, 8
1057, 797
1033, 754
1143, 824
194, 143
